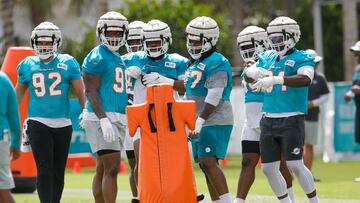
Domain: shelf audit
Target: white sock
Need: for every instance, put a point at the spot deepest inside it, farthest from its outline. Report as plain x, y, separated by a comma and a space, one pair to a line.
225, 198
291, 193
286, 200
314, 199
217, 201
239, 200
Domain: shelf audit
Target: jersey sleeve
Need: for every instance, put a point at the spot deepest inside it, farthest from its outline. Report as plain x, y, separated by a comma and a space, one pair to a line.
305, 60
217, 80
23, 72
74, 70
93, 64
12, 114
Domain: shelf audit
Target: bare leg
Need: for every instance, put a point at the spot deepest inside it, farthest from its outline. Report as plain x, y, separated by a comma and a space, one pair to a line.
247, 174
111, 164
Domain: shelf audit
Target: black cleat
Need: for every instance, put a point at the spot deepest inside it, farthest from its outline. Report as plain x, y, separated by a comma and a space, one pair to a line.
200, 197
135, 201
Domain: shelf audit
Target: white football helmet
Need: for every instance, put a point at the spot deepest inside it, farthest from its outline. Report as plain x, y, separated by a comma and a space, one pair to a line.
204, 30
156, 31
283, 33
112, 21
355, 47
45, 32
252, 41
134, 38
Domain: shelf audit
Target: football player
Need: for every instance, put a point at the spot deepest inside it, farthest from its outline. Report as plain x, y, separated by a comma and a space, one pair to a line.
290, 72
9, 137
252, 41
49, 76
154, 66
209, 83
133, 44
106, 100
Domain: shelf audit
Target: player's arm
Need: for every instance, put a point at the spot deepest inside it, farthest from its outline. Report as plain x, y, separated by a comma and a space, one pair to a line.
14, 122
78, 86
20, 90
92, 84
179, 85
302, 79
215, 85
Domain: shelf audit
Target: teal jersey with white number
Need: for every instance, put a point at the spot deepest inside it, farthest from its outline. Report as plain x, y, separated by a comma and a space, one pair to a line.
49, 84
200, 70
283, 99
250, 94
171, 65
110, 69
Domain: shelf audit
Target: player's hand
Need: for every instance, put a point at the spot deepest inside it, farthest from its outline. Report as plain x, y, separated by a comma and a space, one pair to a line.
156, 78
81, 120
255, 73
265, 84
348, 96
14, 154
198, 125
107, 130
310, 105
355, 89
133, 71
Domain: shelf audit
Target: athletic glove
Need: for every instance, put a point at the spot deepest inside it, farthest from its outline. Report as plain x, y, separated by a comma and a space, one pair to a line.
156, 78
81, 120
107, 130
266, 84
198, 125
255, 73
133, 71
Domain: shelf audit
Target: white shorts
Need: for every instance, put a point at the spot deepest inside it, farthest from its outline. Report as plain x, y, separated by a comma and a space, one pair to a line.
128, 142
6, 179
251, 129
96, 139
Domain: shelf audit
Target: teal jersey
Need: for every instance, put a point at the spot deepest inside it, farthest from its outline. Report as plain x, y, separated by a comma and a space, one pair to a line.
9, 114
171, 65
250, 94
110, 68
200, 70
49, 84
283, 99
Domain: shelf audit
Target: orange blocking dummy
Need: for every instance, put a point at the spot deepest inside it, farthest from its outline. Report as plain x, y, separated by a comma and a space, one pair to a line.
165, 168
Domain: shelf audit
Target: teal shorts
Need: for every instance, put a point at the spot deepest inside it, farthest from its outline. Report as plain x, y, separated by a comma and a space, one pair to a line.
212, 142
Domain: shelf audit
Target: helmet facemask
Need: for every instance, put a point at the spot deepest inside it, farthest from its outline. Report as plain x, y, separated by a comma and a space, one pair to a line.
156, 47
112, 37
281, 42
45, 46
250, 50
197, 45
134, 45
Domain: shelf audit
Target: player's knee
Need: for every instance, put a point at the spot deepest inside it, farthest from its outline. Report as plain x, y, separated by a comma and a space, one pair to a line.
248, 163
295, 166
112, 170
206, 165
268, 169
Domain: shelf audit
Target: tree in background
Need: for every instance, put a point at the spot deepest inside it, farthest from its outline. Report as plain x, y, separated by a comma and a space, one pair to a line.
8, 37
178, 14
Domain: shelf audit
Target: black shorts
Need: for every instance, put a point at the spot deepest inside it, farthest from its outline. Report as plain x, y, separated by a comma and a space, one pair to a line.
282, 136
250, 146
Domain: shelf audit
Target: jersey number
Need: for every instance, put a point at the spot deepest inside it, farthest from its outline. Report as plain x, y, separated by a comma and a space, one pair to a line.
118, 85
38, 80
282, 74
197, 75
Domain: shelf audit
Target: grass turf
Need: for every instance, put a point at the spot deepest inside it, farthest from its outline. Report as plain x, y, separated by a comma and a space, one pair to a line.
336, 184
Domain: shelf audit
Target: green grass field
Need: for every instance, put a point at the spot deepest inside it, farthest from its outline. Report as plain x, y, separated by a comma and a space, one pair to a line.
336, 184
